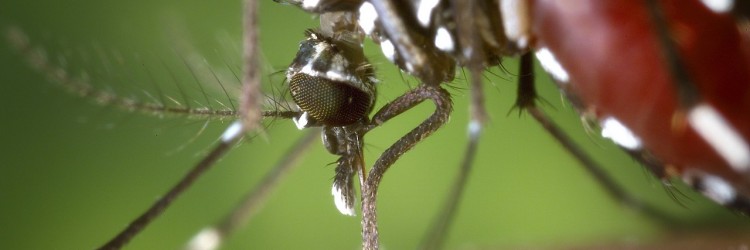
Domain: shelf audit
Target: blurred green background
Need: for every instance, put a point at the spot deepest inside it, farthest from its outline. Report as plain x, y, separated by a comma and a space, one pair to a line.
73, 173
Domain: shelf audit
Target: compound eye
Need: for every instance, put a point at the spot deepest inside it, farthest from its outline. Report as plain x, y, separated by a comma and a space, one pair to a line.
330, 103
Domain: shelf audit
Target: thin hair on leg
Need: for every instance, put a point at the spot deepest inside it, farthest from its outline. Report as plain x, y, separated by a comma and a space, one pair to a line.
527, 101
250, 114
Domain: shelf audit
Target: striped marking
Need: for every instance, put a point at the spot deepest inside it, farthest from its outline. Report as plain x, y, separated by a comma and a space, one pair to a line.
367, 17
424, 11
711, 186
551, 65
719, 6
718, 133
388, 50
620, 134
310, 4
444, 40
340, 199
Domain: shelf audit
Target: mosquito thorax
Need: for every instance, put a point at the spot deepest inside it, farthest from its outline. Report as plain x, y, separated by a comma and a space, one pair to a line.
331, 82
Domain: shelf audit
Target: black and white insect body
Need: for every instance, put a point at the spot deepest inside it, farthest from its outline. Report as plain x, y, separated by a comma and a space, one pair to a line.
331, 81
333, 84
429, 38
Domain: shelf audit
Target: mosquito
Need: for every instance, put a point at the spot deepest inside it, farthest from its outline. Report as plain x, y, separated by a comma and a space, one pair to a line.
415, 176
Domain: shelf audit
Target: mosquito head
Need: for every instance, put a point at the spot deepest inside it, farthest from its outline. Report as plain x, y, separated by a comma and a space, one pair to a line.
331, 82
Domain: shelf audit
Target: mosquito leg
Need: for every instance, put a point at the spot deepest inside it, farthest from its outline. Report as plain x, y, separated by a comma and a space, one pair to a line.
413, 48
436, 237
229, 138
443, 104
467, 35
250, 101
526, 101
474, 58
81, 86
213, 236
593, 168
250, 114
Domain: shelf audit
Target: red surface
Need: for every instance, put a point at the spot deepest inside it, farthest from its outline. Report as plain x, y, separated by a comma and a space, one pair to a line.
616, 67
